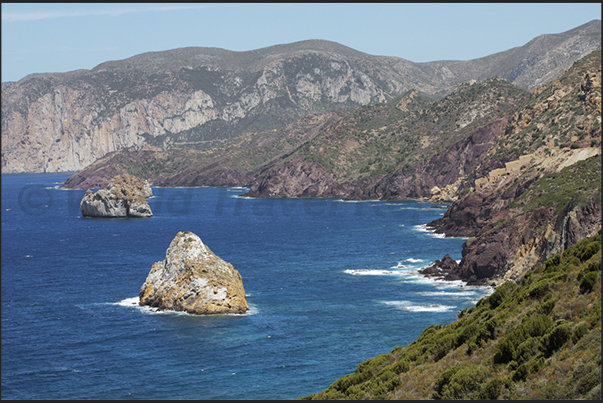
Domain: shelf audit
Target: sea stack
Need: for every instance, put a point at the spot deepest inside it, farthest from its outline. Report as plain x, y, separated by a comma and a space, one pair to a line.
124, 197
194, 280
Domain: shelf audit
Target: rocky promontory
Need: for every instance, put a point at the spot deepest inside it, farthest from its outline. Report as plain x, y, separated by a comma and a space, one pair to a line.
124, 197
193, 279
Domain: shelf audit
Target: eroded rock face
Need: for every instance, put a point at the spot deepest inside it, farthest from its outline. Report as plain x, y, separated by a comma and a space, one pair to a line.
193, 279
124, 197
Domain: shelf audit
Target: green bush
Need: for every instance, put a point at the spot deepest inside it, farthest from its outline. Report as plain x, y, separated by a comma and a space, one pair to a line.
531, 367
491, 390
580, 331
547, 307
588, 281
443, 346
588, 251
526, 350
488, 331
502, 293
401, 366
541, 287
464, 382
443, 380
586, 377
535, 326
466, 334
552, 264
555, 339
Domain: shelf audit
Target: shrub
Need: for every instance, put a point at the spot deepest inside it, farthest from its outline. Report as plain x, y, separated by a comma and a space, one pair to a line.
443, 346
580, 331
541, 287
502, 293
552, 263
401, 366
547, 306
588, 281
491, 390
465, 334
531, 367
443, 380
591, 249
535, 326
488, 331
585, 378
555, 339
464, 382
526, 350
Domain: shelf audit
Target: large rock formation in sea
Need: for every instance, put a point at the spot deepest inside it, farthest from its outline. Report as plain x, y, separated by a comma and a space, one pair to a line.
124, 197
199, 97
193, 279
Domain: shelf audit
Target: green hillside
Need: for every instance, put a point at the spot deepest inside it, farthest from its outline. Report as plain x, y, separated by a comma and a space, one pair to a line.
540, 339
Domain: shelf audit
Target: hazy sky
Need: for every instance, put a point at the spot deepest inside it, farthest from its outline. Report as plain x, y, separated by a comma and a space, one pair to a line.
59, 37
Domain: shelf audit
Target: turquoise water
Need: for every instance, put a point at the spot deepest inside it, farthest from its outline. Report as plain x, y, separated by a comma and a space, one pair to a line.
329, 283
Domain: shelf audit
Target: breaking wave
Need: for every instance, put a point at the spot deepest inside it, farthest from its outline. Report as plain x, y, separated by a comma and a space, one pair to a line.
133, 303
410, 307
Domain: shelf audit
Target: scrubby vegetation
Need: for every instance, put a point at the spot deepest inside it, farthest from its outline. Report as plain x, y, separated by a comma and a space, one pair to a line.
379, 139
539, 339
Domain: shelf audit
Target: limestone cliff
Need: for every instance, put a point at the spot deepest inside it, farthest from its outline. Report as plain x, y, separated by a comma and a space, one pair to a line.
124, 197
193, 279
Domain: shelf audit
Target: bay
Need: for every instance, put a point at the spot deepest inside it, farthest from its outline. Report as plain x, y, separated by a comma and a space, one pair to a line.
330, 284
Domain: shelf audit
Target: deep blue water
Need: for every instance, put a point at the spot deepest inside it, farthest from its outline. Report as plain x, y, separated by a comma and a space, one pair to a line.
330, 284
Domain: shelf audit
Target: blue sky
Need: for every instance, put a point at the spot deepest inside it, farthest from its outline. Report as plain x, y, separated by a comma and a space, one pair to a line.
59, 37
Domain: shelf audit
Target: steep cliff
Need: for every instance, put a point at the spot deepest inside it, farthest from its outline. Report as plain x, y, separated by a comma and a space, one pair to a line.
538, 188
200, 97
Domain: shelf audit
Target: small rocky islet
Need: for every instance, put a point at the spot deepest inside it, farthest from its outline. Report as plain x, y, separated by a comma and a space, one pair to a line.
125, 196
193, 279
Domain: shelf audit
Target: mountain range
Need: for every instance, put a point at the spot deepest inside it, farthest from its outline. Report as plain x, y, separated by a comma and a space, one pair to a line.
197, 98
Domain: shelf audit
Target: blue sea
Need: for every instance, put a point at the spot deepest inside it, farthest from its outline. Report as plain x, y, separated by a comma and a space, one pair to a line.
330, 284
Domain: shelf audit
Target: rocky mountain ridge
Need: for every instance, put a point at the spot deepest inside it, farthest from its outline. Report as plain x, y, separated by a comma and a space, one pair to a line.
200, 97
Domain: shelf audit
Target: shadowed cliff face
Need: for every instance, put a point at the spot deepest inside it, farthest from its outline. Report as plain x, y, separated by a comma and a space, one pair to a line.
200, 97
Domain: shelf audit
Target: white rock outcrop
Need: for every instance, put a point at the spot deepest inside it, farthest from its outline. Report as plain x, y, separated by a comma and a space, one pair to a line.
124, 197
194, 280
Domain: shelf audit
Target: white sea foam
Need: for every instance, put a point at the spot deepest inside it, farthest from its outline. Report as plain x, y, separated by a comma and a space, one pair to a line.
410, 307
431, 231
134, 301
430, 308
399, 266
367, 272
413, 260
460, 292
355, 201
